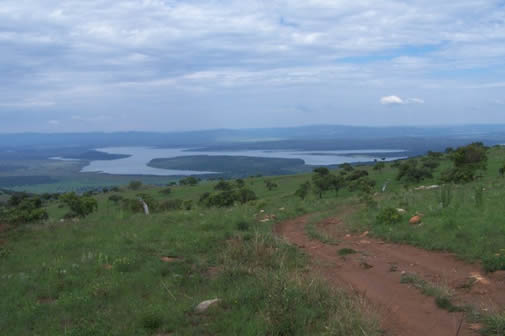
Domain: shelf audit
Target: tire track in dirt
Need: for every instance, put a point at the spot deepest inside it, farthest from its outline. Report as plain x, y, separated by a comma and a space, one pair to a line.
376, 272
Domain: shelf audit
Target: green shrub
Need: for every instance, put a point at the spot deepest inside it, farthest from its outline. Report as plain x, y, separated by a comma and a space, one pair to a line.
188, 205
389, 216
80, 205
133, 205
174, 204
189, 181
166, 191
245, 195
457, 175
303, 190
242, 225
135, 185
115, 198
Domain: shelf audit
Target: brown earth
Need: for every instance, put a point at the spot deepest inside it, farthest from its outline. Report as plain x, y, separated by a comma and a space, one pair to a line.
376, 271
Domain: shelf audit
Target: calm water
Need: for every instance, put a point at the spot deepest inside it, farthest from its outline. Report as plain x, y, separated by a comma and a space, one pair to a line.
136, 164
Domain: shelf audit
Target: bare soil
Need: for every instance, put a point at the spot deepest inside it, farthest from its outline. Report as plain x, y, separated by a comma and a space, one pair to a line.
375, 271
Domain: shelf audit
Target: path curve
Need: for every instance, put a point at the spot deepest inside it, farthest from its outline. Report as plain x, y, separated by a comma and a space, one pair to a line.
376, 272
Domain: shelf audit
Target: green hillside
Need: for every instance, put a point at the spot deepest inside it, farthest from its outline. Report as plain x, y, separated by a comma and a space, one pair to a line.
117, 271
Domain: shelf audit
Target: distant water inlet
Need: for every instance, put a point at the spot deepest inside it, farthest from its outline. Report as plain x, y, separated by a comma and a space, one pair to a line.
136, 163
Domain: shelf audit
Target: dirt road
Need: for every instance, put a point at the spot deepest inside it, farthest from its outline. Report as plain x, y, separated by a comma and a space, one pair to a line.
376, 270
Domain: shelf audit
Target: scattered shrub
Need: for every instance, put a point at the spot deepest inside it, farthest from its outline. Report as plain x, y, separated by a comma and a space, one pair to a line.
79, 205
223, 186
411, 173
303, 190
174, 204
389, 216
115, 198
189, 181
242, 225
135, 185
270, 185
166, 191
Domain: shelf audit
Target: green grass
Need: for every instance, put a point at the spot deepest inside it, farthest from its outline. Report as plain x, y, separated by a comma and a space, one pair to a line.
103, 275
441, 294
346, 251
471, 230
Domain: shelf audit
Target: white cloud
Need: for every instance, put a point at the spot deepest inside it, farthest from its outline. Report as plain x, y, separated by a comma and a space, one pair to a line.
395, 100
392, 100
415, 101
78, 55
54, 122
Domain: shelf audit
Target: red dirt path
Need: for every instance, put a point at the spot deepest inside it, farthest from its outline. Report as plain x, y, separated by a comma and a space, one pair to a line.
405, 311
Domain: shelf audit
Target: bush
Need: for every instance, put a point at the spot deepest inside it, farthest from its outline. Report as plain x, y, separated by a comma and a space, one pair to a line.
223, 186
364, 185
303, 190
188, 205
242, 225
175, 204
389, 216
115, 198
132, 205
189, 181
347, 167
410, 172
457, 175
135, 185
270, 185
356, 175
240, 183
80, 205
166, 191
152, 203
245, 195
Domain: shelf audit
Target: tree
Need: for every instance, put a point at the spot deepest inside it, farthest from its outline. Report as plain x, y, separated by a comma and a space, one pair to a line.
379, 166
501, 171
135, 185
245, 195
467, 161
270, 185
336, 182
303, 190
409, 172
223, 185
79, 205
347, 167
322, 180
189, 181
240, 183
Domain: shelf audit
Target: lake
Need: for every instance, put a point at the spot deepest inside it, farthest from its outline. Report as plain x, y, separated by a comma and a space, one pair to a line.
136, 163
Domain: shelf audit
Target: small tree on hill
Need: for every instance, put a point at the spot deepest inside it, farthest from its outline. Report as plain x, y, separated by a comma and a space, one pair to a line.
240, 183
223, 186
467, 161
303, 190
379, 166
322, 180
135, 185
79, 205
270, 185
189, 181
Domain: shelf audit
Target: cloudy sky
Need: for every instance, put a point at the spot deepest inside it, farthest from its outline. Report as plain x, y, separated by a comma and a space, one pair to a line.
176, 65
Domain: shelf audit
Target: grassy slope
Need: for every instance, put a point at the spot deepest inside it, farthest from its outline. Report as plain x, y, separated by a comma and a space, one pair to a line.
56, 279
472, 232
103, 275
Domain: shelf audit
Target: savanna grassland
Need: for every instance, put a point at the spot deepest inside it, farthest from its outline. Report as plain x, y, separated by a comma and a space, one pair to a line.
115, 271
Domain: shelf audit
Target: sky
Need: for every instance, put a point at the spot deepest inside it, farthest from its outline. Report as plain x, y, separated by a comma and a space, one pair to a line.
169, 65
